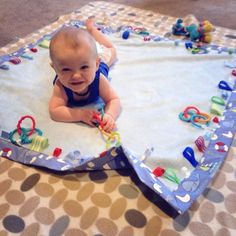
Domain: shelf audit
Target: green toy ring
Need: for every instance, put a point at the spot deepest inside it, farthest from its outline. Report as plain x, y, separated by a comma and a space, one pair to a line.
23, 136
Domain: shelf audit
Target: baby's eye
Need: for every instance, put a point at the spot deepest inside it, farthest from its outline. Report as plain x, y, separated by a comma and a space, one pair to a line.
84, 67
66, 69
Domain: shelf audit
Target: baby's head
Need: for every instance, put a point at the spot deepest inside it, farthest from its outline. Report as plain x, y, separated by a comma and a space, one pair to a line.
74, 58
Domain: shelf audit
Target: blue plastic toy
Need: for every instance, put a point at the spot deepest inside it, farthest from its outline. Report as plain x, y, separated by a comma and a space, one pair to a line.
125, 34
188, 45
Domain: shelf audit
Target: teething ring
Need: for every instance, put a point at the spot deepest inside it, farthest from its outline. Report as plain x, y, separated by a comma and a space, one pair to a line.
19, 129
189, 115
202, 120
23, 139
190, 108
193, 118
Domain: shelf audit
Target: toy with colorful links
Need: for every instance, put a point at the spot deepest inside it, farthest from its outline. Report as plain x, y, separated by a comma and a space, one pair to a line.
20, 121
23, 136
38, 142
111, 138
24, 133
195, 117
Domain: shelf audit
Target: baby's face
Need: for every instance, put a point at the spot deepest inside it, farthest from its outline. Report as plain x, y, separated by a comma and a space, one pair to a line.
75, 67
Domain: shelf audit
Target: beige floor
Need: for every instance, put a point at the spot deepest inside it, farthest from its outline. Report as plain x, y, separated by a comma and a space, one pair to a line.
19, 18
37, 202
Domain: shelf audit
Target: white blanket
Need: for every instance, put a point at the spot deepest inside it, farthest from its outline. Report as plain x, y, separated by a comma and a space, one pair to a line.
155, 81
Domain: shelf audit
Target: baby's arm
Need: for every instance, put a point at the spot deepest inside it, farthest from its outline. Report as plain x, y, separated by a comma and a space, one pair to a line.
112, 103
59, 111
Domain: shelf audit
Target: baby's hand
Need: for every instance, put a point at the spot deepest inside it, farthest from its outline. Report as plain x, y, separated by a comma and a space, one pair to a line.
108, 122
87, 116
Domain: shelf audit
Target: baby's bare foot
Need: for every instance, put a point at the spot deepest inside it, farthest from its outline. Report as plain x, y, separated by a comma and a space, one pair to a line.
90, 24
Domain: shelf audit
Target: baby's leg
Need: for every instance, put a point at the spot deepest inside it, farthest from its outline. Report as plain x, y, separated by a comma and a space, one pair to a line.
102, 39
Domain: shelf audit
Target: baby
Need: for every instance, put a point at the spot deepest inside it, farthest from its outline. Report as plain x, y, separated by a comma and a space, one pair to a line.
82, 77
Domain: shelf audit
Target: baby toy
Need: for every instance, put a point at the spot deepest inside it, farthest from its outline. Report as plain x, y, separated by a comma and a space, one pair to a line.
201, 33
125, 34
196, 33
4, 67
192, 32
137, 31
45, 43
37, 143
188, 154
112, 137
178, 28
205, 29
218, 103
15, 60
195, 117
200, 143
168, 173
33, 50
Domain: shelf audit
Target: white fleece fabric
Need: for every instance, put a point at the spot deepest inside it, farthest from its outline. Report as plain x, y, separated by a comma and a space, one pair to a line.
155, 82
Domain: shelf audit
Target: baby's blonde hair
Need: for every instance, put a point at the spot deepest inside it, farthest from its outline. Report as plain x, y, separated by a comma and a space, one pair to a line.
73, 37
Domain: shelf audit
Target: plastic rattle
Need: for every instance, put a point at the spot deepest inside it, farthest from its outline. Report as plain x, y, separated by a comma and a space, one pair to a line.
188, 153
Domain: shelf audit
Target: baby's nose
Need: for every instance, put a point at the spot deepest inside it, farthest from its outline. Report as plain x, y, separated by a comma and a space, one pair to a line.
76, 75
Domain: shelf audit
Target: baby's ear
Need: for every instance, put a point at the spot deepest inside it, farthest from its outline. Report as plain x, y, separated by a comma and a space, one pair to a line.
51, 64
98, 60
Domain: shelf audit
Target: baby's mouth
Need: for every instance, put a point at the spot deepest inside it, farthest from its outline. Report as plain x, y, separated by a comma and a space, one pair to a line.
76, 83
